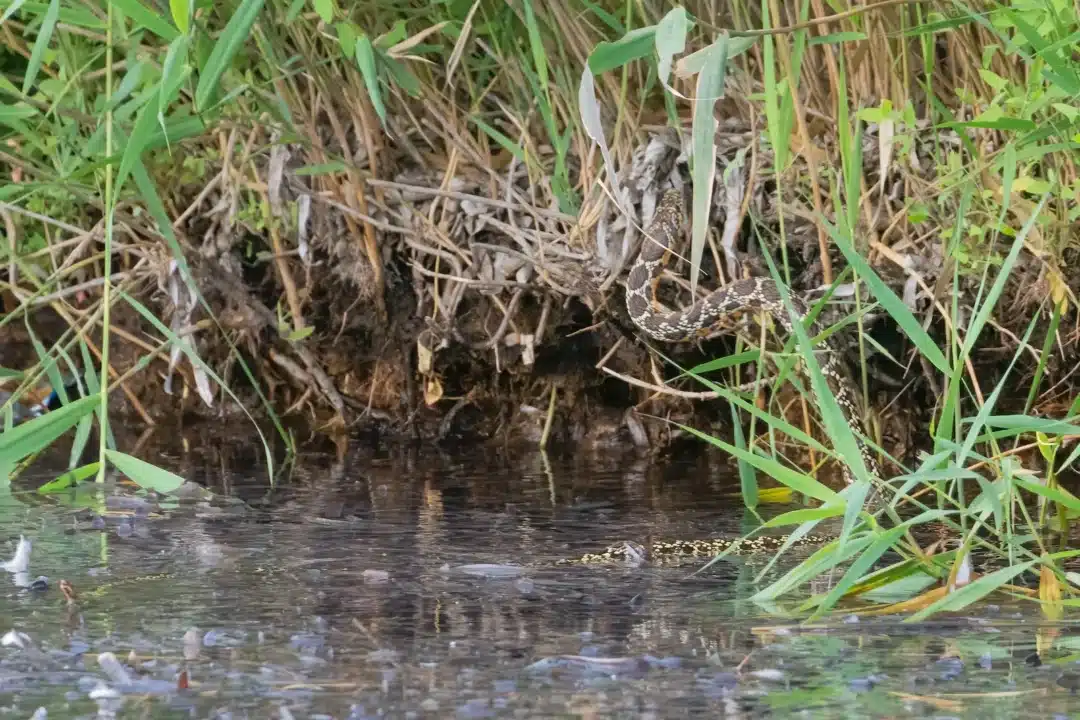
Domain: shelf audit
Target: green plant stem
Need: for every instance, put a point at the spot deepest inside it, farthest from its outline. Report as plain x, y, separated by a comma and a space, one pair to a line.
103, 411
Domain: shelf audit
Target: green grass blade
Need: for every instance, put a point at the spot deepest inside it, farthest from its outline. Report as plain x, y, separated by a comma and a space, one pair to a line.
232, 37
41, 44
365, 61
881, 544
147, 18
70, 479
710, 88
35, 435
972, 592
891, 303
797, 481
144, 474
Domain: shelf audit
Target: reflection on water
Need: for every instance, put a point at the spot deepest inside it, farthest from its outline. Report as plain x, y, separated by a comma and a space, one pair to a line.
337, 594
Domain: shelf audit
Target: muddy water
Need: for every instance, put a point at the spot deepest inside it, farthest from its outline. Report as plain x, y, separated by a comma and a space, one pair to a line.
339, 594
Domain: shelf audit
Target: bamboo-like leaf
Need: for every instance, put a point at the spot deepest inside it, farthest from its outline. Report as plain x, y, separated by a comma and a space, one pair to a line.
1054, 494
41, 44
70, 479
881, 544
365, 60
795, 480
710, 88
796, 517
12, 8
147, 18
144, 474
37, 434
589, 111
634, 45
822, 560
232, 37
181, 14
670, 40
982, 315
973, 591
133, 149
897, 309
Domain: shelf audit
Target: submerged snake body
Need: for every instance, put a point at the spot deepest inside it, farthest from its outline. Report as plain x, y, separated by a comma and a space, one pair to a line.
676, 552
757, 293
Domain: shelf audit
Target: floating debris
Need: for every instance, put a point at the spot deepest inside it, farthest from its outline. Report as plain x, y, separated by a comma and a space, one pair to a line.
20, 562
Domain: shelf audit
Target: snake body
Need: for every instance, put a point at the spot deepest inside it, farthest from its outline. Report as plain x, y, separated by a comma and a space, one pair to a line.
758, 293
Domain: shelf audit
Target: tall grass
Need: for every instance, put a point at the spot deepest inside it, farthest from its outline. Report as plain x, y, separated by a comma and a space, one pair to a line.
113, 112
87, 121
1009, 201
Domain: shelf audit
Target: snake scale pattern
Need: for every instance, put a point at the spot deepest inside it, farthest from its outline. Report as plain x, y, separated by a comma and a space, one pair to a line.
758, 293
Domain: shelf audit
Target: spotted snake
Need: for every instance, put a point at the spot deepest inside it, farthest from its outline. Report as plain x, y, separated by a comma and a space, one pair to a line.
757, 293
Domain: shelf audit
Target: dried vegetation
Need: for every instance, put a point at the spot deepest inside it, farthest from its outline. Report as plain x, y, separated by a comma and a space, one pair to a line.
444, 257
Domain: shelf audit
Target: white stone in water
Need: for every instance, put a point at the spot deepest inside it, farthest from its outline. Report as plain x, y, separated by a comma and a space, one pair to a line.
113, 668
20, 562
15, 638
376, 576
768, 674
490, 570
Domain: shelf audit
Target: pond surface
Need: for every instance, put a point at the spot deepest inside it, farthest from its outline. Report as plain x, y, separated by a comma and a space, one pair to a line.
338, 594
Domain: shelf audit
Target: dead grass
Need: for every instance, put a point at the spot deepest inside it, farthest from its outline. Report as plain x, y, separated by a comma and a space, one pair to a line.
401, 268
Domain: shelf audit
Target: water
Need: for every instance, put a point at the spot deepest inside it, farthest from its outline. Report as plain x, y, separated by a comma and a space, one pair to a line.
336, 596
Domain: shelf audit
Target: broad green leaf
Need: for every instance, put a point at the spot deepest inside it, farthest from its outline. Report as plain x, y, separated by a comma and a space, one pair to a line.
144, 474
795, 480
133, 149
365, 60
298, 335
504, 142
796, 517
709, 89
181, 14
749, 356
634, 45
975, 590
838, 38
128, 85
670, 40
325, 10
147, 18
1058, 495
173, 73
693, 63
41, 44
892, 304
294, 10
324, 169
37, 434
69, 479
235, 33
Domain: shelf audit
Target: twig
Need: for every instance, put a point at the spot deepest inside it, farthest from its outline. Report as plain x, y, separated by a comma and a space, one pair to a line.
73, 289
609, 353
553, 214
471, 281
811, 23
710, 395
549, 419
42, 218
